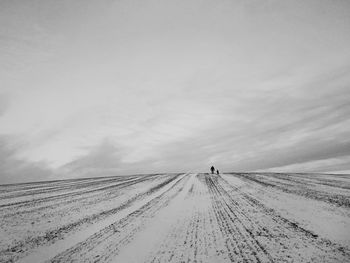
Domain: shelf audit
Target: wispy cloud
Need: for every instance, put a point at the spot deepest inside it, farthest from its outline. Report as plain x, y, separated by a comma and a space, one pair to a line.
331, 165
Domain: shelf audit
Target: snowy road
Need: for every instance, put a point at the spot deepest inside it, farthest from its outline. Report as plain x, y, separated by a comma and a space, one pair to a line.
178, 218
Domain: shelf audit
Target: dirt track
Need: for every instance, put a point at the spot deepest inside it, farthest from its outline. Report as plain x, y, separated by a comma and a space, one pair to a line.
177, 218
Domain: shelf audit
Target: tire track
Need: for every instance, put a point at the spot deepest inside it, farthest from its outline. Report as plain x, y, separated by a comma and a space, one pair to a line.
73, 198
195, 236
78, 193
105, 244
280, 237
58, 188
22, 247
340, 200
233, 223
196, 218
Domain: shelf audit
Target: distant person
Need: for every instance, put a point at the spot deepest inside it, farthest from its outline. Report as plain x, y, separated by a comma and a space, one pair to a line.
212, 169
217, 172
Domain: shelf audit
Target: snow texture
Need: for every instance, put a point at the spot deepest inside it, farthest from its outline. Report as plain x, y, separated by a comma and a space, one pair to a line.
233, 217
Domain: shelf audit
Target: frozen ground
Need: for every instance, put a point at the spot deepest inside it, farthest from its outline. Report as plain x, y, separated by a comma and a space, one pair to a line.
238, 217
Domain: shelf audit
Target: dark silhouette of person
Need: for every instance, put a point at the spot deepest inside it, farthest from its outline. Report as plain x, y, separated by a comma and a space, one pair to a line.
212, 169
217, 171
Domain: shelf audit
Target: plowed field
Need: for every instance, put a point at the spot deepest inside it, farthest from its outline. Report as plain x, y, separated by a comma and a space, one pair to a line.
238, 217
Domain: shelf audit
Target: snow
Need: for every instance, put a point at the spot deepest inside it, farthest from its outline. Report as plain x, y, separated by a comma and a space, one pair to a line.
238, 217
45, 253
329, 221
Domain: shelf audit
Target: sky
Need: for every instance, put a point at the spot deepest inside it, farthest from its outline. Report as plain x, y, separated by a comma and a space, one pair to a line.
98, 88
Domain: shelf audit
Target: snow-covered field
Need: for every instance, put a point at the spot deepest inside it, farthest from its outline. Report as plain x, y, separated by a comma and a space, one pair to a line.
238, 217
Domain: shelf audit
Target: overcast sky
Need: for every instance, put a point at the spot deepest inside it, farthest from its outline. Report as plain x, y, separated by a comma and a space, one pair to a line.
93, 88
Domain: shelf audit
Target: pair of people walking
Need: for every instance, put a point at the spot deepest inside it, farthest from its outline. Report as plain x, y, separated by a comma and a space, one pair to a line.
213, 170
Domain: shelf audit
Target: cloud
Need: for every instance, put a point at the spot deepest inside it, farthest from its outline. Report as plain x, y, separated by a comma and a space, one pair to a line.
119, 87
101, 158
107, 159
330, 165
14, 170
4, 103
